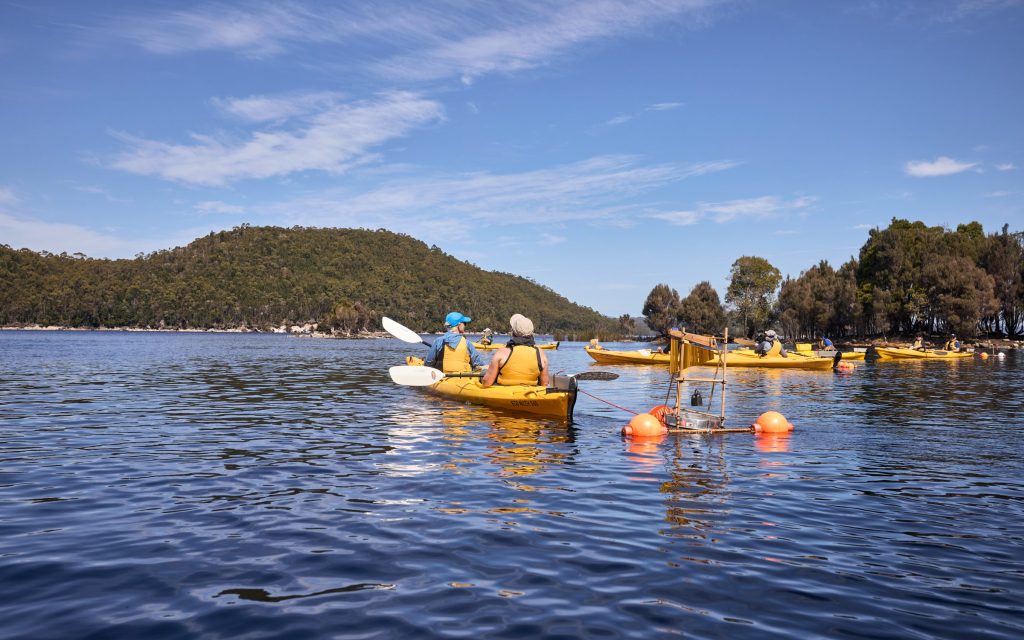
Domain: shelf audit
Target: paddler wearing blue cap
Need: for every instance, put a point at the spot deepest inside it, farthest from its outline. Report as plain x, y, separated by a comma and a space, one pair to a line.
452, 353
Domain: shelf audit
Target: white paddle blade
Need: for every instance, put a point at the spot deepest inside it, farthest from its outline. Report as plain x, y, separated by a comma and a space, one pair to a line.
402, 333
415, 376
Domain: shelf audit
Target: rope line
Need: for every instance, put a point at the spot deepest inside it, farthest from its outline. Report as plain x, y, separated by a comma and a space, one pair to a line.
606, 401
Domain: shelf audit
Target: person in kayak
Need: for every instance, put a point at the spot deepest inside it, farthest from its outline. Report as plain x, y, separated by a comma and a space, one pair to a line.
953, 344
827, 345
485, 338
918, 344
519, 361
771, 345
594, 344
452, 353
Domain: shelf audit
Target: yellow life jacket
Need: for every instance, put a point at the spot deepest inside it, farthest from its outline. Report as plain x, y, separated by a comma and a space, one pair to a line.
522, 366
456, 360
775, 350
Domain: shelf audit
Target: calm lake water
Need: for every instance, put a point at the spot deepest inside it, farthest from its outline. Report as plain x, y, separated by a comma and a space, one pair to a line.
266, 486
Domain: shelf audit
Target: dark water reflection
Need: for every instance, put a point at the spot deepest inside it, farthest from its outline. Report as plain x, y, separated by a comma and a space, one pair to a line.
165, 485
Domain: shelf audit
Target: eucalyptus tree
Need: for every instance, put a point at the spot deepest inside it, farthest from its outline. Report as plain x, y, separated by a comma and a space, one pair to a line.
1003, 259
751, 292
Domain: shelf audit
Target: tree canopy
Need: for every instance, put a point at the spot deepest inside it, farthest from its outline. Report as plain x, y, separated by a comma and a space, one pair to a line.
751, 292
267, 276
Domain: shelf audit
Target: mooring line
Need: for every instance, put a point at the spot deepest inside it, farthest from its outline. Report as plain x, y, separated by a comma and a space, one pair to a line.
606, 401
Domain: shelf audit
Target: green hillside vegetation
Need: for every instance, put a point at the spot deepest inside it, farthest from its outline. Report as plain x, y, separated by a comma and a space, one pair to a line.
260, 277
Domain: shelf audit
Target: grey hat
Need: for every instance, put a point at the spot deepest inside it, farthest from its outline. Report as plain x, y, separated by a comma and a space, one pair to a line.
521, 325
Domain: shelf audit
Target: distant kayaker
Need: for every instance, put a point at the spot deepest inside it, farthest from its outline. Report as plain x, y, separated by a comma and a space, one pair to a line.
519, 361
953, 344
770, 345
486, 339
594, 344
827, 345
452, 353
918, 344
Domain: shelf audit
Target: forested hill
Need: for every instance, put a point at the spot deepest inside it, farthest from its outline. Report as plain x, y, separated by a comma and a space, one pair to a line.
261, 277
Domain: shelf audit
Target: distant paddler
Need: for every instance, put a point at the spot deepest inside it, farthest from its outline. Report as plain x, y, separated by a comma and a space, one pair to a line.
452, 353
519, 362
953, 344
918, 343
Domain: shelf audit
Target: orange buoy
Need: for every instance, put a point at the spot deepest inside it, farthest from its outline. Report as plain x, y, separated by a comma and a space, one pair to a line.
984, 355
772, 422
660, 411
845, 366
644, 424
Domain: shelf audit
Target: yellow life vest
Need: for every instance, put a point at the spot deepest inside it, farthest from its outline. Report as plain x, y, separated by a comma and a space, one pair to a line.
775, 350
456, 360
522, 367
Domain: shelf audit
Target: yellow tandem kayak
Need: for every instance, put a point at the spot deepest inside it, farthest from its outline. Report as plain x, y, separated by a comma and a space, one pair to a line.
748, 358
906, 353
497, 345
639, 356
523, 399
737, 358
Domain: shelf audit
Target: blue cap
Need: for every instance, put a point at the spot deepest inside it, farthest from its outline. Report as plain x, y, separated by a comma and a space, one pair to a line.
455, 318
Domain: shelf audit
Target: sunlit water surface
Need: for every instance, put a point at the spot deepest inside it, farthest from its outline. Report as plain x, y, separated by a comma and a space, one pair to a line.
264, 486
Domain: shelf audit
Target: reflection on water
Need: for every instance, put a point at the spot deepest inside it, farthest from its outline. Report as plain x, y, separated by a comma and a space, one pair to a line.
236, 485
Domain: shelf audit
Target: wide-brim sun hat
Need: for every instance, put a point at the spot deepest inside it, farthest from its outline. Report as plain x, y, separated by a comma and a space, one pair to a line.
455, 318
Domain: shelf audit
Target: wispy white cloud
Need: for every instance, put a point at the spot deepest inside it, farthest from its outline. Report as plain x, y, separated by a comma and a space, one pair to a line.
7, 196
436, 40
763, 207
963, 9
526, 35
997, 194
550, 238
216, 206
1006, 166
56, 237
601, 189
664, 106
941, 166
271, 108
333, 139
864, 226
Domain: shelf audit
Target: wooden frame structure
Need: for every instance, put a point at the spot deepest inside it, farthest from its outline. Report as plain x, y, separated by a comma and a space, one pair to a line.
688, 350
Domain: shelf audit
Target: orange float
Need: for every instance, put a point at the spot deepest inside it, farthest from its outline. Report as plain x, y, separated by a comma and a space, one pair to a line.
772, 422
660, 411
645, 425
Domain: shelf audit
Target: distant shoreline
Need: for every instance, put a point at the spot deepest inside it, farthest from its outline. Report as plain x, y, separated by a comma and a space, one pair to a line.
301, 332
306, 331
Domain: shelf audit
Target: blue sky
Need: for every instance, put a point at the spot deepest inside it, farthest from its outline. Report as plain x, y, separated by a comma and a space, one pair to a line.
597, 147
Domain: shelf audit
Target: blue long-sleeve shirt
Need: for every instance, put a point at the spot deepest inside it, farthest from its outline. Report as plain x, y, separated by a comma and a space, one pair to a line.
452, 339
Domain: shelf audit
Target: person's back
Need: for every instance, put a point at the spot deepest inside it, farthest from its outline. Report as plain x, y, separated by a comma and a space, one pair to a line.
452, 353
519, 361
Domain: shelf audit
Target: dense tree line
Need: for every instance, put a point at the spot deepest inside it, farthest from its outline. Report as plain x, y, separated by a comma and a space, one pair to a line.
908, 278
259, 277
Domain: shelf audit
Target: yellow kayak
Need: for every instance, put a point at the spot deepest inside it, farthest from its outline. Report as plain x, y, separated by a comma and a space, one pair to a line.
906, 353
497, 345
748, 358
522, 399
640, 356
806, 350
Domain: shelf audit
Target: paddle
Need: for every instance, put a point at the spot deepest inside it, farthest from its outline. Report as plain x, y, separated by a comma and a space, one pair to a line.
420, 376
404, 334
